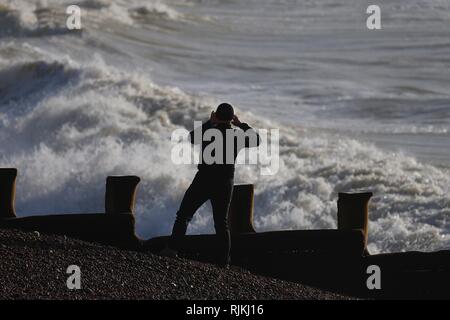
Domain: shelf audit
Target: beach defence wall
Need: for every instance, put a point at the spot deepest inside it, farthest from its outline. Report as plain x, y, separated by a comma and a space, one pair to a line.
240, 214
114, 227
7, 192
349, 239
353, 212
95, 227
240, 221
120, 195
411, 275
117, 225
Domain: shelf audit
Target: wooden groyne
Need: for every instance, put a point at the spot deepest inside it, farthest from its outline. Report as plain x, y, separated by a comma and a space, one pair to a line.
331, 259
116, 226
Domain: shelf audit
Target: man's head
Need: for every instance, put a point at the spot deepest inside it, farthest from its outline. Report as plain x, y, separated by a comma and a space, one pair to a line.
225, 112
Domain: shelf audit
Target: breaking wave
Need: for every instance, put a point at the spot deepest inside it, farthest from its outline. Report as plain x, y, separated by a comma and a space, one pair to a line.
22, 18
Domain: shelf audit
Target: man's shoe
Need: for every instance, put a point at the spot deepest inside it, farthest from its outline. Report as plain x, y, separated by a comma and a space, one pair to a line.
167, 252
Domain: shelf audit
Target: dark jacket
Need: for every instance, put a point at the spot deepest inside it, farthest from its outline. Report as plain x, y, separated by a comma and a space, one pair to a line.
245, 137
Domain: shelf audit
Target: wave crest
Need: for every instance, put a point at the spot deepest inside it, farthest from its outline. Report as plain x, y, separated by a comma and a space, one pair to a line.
33, 80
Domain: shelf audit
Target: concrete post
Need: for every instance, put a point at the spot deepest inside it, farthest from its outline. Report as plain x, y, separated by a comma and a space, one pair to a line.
120, 194
353, 212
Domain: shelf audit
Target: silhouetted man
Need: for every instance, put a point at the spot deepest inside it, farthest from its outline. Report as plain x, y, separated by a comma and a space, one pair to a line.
215, 177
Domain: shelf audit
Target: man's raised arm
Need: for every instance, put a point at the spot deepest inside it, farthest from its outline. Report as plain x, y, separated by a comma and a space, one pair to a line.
252, 138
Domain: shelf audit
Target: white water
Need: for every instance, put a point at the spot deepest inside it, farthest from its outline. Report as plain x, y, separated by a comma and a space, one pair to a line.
356, 111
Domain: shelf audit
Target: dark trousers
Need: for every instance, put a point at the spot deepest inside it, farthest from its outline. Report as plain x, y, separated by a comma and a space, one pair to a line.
204, 187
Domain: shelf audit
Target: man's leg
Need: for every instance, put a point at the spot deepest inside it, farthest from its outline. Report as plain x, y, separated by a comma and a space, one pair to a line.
220, 200
195, 196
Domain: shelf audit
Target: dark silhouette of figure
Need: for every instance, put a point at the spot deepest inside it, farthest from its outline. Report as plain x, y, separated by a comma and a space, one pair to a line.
215, 179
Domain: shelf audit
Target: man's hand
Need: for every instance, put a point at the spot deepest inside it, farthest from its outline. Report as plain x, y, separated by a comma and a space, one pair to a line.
236, 121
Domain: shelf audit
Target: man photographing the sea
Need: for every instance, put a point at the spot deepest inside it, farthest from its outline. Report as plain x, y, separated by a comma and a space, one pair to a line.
214, 180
